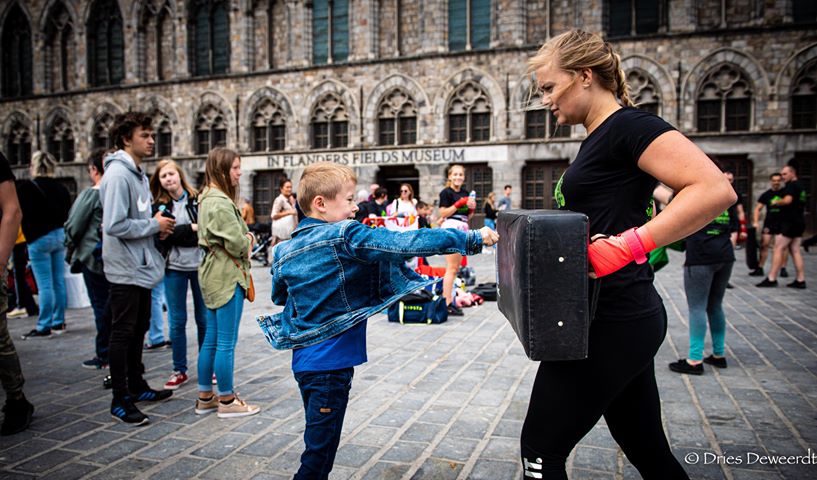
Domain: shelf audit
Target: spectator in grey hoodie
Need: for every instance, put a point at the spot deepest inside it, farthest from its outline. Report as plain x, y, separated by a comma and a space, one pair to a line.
131, 262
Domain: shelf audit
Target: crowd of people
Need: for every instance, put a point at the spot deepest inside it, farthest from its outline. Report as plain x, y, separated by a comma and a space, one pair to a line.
144, 244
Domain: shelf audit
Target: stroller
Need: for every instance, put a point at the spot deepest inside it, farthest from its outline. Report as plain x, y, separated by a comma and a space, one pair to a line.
263, 233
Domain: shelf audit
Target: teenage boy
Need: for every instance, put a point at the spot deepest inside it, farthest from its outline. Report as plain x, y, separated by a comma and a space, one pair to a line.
329, 277
131, 262
771, 224
505, 201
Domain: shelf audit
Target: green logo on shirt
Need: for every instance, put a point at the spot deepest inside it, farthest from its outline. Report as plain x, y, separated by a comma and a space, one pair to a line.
557, 193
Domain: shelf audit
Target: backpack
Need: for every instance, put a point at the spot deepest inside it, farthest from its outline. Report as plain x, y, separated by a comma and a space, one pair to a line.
420, 307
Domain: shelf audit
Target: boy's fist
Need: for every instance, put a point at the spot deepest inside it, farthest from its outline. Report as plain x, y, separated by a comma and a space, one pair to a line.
489, 237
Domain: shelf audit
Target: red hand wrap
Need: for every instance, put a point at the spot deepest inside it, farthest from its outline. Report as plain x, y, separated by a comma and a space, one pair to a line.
461, 202
610, 254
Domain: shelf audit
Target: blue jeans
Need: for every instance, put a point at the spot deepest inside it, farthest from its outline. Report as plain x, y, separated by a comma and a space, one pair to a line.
99, 292
705, 286
176, 294
325, 396
156, 333
218, 350
47, 256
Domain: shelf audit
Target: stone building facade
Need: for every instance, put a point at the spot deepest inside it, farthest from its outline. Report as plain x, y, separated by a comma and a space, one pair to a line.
399, 89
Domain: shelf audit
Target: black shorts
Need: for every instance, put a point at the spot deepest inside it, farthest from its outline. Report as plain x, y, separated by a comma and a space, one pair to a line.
792, 229
771, 228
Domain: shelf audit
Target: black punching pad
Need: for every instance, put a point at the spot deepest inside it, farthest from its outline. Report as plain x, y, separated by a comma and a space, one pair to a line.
542, 281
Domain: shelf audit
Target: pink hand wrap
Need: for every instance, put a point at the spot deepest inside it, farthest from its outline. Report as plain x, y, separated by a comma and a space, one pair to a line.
608, 255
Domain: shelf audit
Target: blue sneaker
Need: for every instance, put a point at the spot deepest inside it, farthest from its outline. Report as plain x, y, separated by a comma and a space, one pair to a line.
125, 411
151, 395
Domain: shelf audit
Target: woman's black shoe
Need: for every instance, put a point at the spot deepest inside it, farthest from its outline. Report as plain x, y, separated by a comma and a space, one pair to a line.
797, 284
455, 311
767, 283
682, 366
719, 362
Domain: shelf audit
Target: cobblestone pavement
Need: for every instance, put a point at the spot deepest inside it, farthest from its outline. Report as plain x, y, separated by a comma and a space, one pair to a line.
433, 402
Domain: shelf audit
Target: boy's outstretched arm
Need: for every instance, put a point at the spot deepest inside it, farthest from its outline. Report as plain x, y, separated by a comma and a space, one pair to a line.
381, 245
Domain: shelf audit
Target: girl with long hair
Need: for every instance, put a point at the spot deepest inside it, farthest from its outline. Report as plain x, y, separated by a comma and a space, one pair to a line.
224, 276
456, 207
173, 195
284, 215
405, 204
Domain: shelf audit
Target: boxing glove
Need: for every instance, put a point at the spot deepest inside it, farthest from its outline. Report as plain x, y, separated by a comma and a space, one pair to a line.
610, 254
461, 202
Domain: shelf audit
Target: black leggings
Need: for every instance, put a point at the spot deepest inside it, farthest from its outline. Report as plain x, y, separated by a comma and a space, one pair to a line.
617, 380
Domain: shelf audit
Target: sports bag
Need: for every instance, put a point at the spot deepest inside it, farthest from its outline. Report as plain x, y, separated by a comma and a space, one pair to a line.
420, 307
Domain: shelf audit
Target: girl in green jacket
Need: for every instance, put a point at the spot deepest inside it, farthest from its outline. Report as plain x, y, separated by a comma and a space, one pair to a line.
224, 276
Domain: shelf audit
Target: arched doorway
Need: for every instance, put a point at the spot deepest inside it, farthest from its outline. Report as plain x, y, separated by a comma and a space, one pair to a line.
392, 176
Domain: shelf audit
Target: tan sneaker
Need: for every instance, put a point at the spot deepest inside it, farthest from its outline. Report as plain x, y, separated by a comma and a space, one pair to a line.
237, 408
205, 407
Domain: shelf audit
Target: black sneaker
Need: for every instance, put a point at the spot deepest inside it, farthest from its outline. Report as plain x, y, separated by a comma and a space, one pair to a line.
18, 416
783, 273
36, 334
95, 363
682, 366
719, 362
797, 284
455, 311
125, 411
153, 347
151, 395
758, 272
767, 283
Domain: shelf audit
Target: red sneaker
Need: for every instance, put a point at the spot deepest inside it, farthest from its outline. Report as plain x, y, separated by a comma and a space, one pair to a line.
176, 380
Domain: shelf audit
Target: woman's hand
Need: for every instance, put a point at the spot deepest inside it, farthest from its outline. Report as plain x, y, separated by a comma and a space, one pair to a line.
194, 227
489, 237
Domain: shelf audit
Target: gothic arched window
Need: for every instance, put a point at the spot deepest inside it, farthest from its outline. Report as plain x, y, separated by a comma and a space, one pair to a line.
60, 140
329, 123
804, 98
17, 77
540, 123
209, 37
18, 144
106, 45
155, 40
724, 101
101, 134
469, 115
211, 129
269, 128
397, 119
643, 91
60, 50
164, 135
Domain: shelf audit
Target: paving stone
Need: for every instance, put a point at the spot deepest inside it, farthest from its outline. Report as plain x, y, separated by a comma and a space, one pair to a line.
386, 471
270, 444
126, 469
352, 455
70, 471
500, 448
73, 430
93, 441
167, 447
421, 432
495, 470
376, 436
181, 468
114, 452
222, 446
453, 448
46, 461
600, 459
438, 470
26, 450
234, 466
405, 452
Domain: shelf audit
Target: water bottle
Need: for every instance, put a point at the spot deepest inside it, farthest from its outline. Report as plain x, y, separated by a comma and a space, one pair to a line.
472, 195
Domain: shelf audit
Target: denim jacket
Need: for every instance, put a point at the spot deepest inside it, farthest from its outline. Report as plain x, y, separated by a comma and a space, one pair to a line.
332, 276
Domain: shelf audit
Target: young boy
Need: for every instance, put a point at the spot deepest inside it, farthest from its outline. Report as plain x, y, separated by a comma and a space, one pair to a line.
332, 276
423, 214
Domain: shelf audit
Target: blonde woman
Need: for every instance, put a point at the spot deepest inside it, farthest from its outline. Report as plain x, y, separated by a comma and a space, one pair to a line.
456, 207
45, 203
224, 276
173, 195
626, 152
489, 208
284, 215
405, 204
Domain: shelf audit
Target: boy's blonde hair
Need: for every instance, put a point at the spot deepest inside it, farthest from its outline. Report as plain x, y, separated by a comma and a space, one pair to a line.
326, 179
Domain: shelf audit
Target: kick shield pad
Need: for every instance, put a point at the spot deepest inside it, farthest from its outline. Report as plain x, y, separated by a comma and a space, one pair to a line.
542, 281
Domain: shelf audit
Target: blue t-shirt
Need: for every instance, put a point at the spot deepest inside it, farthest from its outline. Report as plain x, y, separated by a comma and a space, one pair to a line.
341, 351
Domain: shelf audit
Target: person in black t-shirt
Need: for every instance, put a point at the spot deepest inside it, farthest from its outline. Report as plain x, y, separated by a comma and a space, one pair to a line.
737, 216
375, 207
17, 410
626, 152
792, 225
710, 257
771, 224
455, 209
